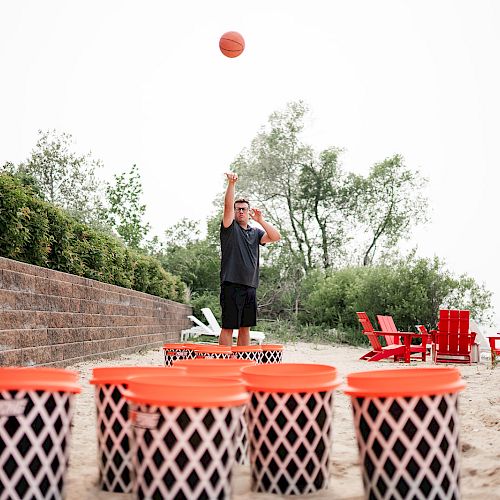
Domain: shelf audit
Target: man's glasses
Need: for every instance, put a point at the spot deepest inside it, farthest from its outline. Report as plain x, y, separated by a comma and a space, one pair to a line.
241, 209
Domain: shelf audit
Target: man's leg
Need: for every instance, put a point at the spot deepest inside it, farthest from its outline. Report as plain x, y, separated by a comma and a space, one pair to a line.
226, 336
244, 335
228, 312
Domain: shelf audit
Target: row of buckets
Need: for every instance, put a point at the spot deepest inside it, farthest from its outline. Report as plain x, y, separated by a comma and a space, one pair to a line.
262, 353
177, 431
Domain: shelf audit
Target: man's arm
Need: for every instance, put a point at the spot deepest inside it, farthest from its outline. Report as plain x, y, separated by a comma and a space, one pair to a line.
228, 216
271, 233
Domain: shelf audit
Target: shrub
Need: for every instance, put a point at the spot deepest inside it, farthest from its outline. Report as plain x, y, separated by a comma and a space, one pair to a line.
412, 291
37, 232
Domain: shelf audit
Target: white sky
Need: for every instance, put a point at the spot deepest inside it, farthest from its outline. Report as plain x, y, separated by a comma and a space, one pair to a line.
144, 82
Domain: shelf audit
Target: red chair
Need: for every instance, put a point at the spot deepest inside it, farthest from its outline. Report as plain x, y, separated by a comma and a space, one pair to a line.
387, 325
453, 341
495, 348
379, 352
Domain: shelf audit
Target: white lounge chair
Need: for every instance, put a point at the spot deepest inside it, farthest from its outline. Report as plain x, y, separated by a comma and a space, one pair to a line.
259, 337
195, 331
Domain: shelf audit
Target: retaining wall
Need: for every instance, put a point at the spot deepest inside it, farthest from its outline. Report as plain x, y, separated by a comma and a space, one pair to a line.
53, 318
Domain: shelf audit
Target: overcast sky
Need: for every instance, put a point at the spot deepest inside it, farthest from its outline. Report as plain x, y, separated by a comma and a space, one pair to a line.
144, 82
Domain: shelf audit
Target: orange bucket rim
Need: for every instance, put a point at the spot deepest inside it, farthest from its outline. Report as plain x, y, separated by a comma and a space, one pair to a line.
17, 378
120, 374
175, 345
188, 380
246, 348
205, 392
291, 377
404, 382
212, 348
209, 362
272, 347
220, 369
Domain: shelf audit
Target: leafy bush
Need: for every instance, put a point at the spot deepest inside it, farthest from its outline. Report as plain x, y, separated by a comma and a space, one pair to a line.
412, 291
24, 231
206, 299
37, 232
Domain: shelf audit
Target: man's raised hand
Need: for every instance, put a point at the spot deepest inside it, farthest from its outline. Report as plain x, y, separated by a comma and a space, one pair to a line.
231, 177
256, 215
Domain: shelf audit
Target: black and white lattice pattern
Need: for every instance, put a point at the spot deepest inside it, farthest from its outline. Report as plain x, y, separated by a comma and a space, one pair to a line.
290, 440
172, 355
242, 440
34, 444
187, 454
272, 356
113, 439
214, 355
250, 355
409, 446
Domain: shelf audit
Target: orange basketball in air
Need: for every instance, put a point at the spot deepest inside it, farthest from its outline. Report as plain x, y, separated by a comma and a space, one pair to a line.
231, 44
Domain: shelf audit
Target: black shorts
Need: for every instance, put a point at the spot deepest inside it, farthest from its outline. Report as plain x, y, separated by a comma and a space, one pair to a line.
239, 305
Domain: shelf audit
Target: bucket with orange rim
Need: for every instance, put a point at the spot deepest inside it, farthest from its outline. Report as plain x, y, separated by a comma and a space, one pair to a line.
251, 352
210, 367
184, 435
406, 425
36, 411
289, 426
227, 368
175, 351
113, 424
272, 353
213, 351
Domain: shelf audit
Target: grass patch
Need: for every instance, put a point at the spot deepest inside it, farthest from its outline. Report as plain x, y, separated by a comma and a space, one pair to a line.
289, 332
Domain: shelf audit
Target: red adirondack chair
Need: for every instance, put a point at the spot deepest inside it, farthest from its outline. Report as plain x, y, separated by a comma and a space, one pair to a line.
379, 352
387, 325
452, 340
495, 348
430, 338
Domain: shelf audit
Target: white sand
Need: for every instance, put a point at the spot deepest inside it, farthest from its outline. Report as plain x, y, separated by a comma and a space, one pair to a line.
479, 412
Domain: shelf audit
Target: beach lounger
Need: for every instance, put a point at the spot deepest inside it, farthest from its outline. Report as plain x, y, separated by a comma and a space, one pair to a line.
258, 337
213, 329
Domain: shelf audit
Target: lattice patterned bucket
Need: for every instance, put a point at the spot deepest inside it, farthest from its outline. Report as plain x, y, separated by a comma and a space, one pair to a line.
177, 351
113, 425
184, 436
250, 352
272, 353
224, 368
289, 426
213, 351
406, 424
36, 409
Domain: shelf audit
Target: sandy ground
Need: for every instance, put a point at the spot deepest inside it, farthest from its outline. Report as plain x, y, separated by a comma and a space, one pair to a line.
479, 434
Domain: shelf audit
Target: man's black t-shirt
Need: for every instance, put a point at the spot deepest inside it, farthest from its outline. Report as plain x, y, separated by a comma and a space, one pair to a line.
240, 254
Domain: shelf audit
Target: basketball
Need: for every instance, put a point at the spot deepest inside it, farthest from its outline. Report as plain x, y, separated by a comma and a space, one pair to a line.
231, 44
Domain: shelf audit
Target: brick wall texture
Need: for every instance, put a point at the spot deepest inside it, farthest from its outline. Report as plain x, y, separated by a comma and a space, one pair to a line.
53, 318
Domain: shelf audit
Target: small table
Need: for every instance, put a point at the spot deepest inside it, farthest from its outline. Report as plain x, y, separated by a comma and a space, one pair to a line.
408, 336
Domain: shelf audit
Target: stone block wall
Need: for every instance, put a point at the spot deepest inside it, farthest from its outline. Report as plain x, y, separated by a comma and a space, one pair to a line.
53, 318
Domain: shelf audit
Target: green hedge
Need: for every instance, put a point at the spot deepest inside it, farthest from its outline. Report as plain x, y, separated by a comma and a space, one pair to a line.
37, 232
411, 290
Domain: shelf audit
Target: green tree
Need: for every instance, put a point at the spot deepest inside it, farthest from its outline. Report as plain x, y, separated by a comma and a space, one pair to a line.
329, 198
324, 214
269, 171
390, 204
125, 212
64, 177
196, 260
